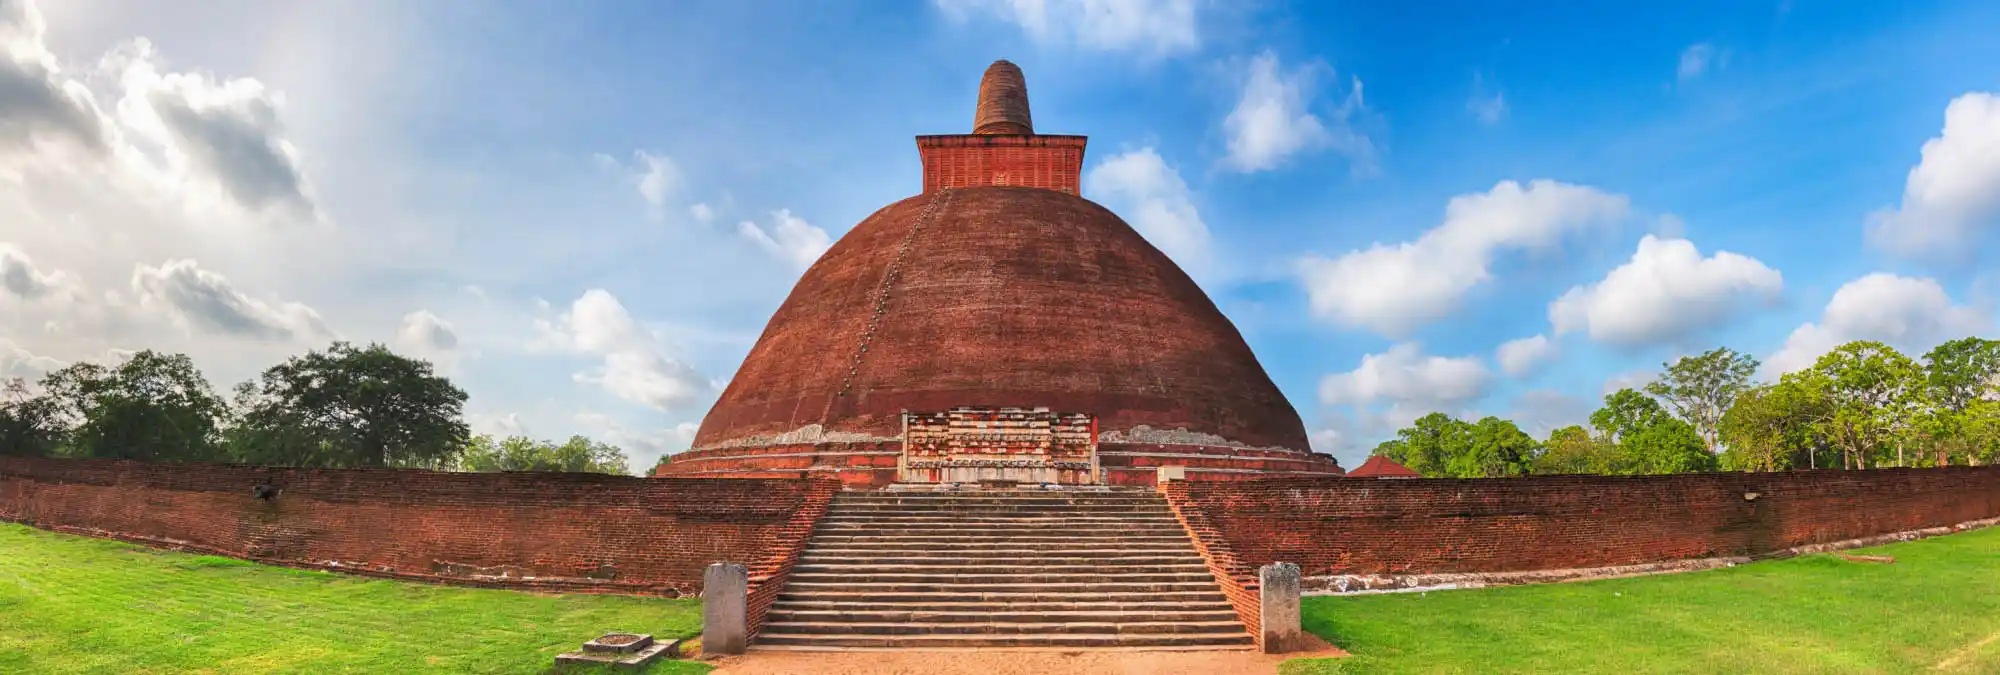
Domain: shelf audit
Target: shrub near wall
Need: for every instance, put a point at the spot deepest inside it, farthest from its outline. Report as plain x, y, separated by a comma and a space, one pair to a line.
587, 532
1364, 526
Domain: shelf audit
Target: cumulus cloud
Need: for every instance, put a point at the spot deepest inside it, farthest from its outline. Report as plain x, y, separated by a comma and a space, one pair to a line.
702, 213
1271, 122
424, 330
1526, 355
1394, 289
1155, 27
789, 237
635, 366
1633, 379
1404, 374
656, 179
20, 277
1540, 411
1911, 314
199, 298
17, 361
38, 104
1666, 293
643, 449
1150, 195
1952, 195
1698, 59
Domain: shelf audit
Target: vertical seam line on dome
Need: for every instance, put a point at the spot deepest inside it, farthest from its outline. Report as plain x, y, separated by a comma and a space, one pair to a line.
889, 276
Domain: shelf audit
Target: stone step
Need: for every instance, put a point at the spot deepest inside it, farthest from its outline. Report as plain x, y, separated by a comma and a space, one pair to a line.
760, 647
1000, 549
804, 587
1000, 616
871, 569
1021, 509
998, 519
823, 640
992, 628
980, 538
1018, 498
924, 560
846, 595
880, 530
1029, 576
1087, 605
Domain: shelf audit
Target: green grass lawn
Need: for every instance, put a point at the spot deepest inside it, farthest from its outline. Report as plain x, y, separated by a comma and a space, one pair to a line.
1936, 609
80, 605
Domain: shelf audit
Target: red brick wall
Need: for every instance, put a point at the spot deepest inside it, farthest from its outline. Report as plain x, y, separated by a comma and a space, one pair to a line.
1047, 162
582, 532
770, 572
1369, 526
1238, 579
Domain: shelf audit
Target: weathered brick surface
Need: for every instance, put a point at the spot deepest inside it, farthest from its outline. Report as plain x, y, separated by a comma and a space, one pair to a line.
1045, 162
781, 551
583, 532
1237, 578
1369, 526
1012, 297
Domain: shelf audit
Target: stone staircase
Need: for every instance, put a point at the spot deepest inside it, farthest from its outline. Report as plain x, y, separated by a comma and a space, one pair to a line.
1001, 568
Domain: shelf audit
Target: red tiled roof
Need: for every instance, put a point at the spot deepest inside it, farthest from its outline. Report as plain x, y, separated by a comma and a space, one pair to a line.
1382, 467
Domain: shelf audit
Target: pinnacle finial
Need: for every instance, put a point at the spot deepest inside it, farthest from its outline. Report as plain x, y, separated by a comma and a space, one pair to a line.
1003, 102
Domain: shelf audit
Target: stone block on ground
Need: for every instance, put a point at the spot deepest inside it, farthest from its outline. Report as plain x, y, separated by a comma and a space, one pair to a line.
724, 609
1278, 600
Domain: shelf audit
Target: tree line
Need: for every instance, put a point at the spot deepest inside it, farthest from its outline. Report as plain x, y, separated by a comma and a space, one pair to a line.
1863, 405
341, 407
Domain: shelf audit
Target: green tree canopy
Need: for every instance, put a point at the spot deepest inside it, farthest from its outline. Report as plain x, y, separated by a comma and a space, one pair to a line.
1873, 395
28, 424
1495, 449
520, 453
351, 407
1701, 388
1428, 444
1572, 450
1770, 428
1959, 372
152, 406
1627, 412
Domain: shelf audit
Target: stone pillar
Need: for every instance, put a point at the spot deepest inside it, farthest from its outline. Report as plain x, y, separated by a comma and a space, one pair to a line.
1278, 598
1170, 473
725, 625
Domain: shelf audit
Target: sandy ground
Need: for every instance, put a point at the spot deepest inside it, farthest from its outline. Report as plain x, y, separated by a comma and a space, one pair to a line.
1012, 662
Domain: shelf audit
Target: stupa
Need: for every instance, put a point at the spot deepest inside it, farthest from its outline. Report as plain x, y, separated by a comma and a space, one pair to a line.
999, 327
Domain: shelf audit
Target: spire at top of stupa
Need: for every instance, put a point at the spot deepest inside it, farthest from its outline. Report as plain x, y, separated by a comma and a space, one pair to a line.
1003, 102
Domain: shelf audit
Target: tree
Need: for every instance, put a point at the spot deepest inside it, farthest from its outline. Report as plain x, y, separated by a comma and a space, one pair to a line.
1428, 445
27, 423
1672, 446
1770, 428
519, 453
1495, 449
1981, 432
1701, 388
1572, 450
1872, 398
1627, 412
351, 407
152, 406
1960, 372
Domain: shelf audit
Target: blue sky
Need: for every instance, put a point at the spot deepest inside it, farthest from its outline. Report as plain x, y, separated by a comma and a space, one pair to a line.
585, 212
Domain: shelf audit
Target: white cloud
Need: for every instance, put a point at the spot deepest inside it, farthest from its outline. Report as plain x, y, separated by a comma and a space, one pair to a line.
789, 237
702, 213
1633, 379
1953, 193
1405, 375
1393, 289
1911, 314
1526, 355
635, 366
423, 330
498, 426
1488, 108
20, 277
1152, 197
199, 298
1667, 292
17, 361
1540, 411
1271, 121
656, 178
642, 449
1699, 59
41, 105
1155, 27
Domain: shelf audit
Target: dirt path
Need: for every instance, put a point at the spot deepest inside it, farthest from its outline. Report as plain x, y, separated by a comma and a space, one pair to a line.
1965, 656
1010, 663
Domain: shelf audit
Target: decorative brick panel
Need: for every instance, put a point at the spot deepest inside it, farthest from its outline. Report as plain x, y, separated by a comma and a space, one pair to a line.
554, 531
1046, 162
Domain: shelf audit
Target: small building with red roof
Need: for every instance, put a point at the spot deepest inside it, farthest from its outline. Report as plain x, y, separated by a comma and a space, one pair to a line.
1382, 467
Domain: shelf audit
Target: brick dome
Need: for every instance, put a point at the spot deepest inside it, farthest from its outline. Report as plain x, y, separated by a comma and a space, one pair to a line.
1003, 296
998, 307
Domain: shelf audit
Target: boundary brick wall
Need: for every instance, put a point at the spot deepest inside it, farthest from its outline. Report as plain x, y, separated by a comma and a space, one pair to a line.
552, 531
1369, 526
